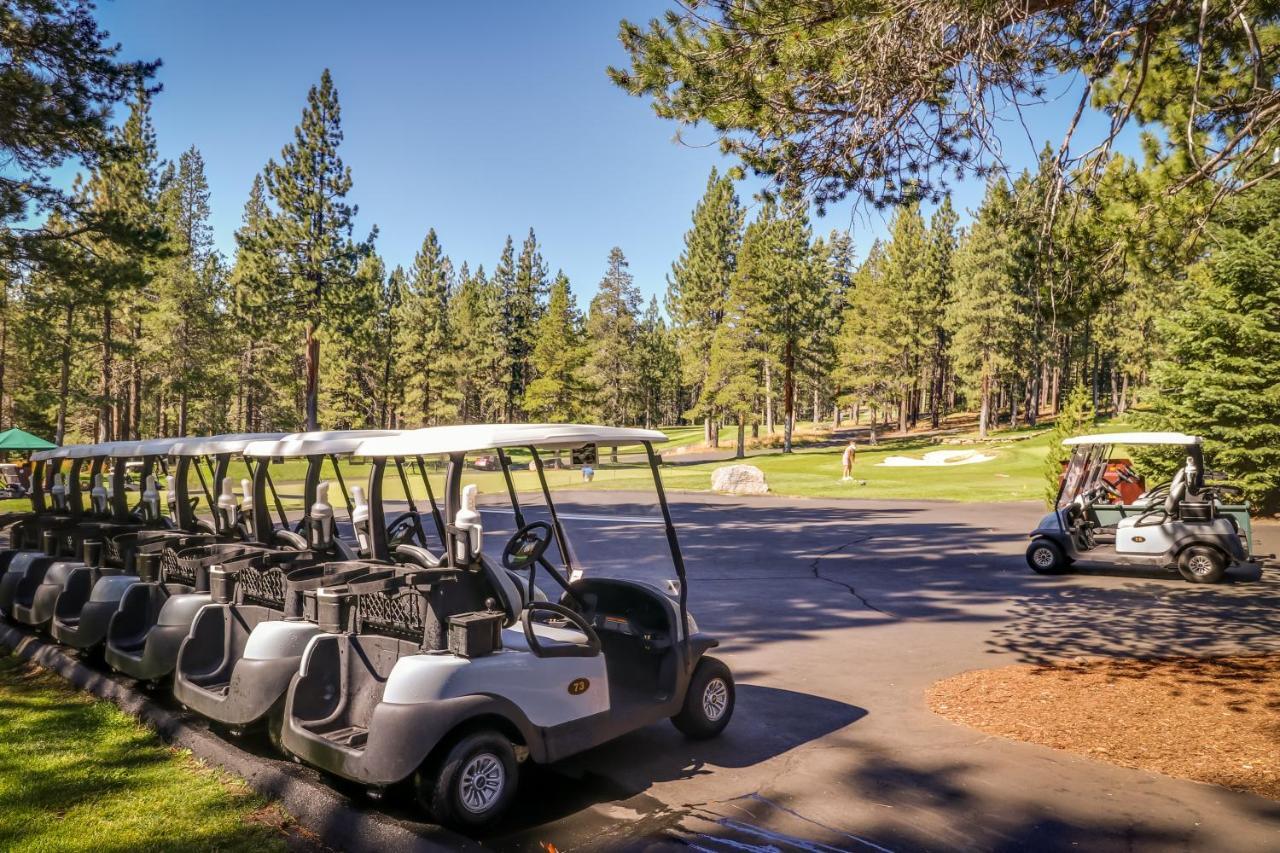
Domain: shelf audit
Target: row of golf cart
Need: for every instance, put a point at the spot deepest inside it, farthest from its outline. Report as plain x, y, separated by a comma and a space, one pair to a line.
384, 647
1106, 514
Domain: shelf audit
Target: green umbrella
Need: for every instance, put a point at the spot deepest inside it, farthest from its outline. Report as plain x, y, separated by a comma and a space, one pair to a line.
18, 439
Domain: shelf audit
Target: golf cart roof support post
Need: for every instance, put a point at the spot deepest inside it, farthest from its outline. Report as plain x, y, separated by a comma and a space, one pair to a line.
377, 520
562, 542
74, 500
181, 497
511, 487
453, 488
342, 486
261, 510
204, 487
310, 485
37, 485
119, 500
431, 497
275, 498
408, 496
677, 558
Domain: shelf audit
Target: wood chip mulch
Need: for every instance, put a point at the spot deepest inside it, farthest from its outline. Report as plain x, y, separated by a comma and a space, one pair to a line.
1212, 720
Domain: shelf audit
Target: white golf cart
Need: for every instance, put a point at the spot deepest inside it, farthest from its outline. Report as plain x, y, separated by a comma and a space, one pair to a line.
450, 672
243, 648
1200, 529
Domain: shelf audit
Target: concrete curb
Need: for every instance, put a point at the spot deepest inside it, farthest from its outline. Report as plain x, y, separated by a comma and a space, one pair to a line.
316, 807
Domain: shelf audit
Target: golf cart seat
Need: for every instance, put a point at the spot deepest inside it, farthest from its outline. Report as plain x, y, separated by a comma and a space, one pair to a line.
1164, 512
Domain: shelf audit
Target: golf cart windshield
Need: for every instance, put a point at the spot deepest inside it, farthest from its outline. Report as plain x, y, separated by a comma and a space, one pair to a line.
601, 503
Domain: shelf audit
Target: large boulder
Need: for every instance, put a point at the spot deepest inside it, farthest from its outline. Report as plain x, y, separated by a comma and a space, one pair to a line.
739, 480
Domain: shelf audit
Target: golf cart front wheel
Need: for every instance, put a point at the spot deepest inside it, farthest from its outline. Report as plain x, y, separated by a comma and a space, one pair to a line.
708, 703
1045, 557
1202, 564
473, 785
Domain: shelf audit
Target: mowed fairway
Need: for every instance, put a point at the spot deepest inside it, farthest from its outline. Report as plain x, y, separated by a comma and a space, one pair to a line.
79, 774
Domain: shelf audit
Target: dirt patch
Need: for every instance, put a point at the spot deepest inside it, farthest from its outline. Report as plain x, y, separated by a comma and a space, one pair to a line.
1211, 720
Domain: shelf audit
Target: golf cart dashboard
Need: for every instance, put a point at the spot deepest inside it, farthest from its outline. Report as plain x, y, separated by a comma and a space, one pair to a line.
624, 611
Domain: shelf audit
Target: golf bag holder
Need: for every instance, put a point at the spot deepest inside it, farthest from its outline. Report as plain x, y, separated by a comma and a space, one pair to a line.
1194, 511
278, 580
190, 566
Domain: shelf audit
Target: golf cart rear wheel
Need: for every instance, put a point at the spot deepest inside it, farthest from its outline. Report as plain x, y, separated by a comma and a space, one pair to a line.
473, 785
1045, 557
1202, 564
708, 704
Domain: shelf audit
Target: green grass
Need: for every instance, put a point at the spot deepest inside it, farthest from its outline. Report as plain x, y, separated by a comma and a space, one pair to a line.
79, 774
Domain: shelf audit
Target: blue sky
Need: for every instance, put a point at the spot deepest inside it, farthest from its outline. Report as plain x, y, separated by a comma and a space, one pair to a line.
478, 119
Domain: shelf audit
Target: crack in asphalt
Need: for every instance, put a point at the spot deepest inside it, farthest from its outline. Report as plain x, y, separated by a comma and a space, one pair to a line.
813, 567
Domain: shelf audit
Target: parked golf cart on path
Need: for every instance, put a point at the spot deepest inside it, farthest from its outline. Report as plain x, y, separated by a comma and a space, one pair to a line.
243, 648
107, 546
450, 673
92, 595
1184, 524
61, 533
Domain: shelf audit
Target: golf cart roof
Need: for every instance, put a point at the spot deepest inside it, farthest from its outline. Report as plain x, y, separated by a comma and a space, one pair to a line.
1173, 438
432, 441
319, 443
149, 447
231, 442
62, 452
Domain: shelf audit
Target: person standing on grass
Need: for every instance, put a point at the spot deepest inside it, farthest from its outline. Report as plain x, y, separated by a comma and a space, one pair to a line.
846, 461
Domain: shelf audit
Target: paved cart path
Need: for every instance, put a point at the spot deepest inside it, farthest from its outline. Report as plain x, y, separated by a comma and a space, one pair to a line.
836, 617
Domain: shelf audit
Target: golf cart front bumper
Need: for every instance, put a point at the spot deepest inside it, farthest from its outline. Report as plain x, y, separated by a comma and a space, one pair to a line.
85, 609
238, 660
147, 631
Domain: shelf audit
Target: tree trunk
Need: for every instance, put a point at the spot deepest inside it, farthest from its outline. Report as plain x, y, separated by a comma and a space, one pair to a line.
135, 382
311, 351
985, 411
741, 452
768, 398
788, 396
104, 405
904, 409
182, 412
64, 376
1124, 394
706, 430
816, 406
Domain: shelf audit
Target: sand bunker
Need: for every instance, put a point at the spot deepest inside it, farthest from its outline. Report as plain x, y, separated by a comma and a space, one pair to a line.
938, 459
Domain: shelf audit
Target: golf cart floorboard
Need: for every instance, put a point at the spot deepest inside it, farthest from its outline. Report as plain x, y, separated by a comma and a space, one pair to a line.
354, 737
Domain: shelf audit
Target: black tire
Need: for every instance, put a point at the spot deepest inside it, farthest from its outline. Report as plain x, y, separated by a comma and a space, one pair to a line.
449, 792
1045, 557
1202, 564
708, 703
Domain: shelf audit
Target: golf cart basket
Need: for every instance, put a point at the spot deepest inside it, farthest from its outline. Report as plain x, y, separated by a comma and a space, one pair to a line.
190, 566
393, 607
261, 576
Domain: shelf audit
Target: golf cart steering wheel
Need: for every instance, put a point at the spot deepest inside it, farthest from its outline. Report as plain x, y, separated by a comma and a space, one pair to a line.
527, 550
561, 650
404, 528
527, 546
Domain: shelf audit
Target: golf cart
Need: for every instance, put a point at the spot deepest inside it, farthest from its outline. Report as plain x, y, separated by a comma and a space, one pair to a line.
1198, 528
11, 482
50, 510
156, 614
91, 595
59, 535
450, 672
106, 545
243, 648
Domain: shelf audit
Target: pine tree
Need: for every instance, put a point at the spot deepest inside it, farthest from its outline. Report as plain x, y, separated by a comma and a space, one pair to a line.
868, 356
523, 306
907, 282
484, 372
1073, 419
939, 273
655, 359
557, 392
987, 310
736, 359
699, 282
504, 280
1220, 378
424, 349
270, 391
777, 258
612, 330
311, 231
351, 373
833, 264
183, 337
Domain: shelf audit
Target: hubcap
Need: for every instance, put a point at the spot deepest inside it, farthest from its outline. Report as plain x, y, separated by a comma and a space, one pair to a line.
715, 699
1042, 557
483, 779
1200, 565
